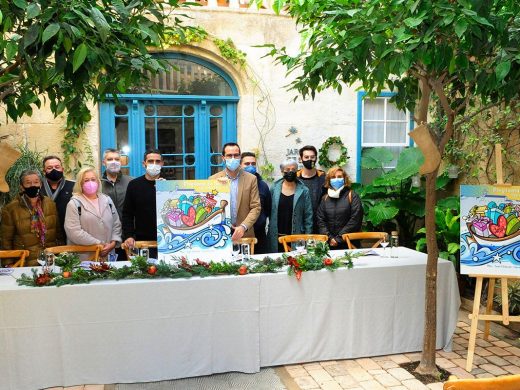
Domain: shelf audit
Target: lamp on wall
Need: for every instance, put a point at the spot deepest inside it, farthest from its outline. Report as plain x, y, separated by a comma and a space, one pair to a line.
416, 181
453, 171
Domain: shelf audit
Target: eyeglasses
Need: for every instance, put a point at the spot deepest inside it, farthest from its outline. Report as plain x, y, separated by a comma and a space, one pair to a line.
227, 156
250, 163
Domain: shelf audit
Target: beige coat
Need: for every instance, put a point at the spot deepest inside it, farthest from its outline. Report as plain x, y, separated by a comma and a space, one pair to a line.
92, 228
248, 208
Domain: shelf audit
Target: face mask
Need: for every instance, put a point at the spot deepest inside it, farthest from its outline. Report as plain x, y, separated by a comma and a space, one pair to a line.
309, 164
250, 168
337, 183
289, 176
54, 175
153, 169
90, 187
113, 166
232, 164
31, 192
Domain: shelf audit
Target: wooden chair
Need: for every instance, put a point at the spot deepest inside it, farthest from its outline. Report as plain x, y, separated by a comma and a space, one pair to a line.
285, 240
19, 254
507, 382
377, 236
138, 245
251, 241
96, 249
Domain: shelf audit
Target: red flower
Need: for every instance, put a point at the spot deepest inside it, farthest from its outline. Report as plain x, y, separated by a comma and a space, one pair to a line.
298, 274
43, 279
292, 261
328, 261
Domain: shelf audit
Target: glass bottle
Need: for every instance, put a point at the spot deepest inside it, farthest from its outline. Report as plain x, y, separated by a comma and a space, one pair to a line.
394, 244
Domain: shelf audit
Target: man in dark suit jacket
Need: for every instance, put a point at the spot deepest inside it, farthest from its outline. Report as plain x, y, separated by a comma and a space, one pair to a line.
245, 201
56, 187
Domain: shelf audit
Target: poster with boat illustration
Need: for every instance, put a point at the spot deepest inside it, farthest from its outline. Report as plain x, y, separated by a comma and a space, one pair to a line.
193, 220
490, 230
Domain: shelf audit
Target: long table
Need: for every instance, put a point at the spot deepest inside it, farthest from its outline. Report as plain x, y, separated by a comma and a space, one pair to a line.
150, 330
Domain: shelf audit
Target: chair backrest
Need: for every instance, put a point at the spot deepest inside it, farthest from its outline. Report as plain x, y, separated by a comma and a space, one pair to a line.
19, 254
377, 236
139, 245
251, 241
285, 240
95, 249
507, 382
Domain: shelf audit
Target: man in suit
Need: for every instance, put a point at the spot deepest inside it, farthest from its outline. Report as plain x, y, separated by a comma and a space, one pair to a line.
245, 200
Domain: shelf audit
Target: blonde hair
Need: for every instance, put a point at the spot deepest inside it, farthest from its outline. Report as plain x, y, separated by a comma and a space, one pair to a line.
332, 173
78, 190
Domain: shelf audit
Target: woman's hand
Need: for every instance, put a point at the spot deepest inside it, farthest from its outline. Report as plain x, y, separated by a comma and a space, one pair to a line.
107, 248
333, 242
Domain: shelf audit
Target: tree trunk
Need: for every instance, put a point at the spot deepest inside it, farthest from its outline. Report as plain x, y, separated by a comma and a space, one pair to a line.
427, 364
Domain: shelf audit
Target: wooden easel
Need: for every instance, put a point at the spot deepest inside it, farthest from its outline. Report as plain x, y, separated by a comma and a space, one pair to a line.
475, 316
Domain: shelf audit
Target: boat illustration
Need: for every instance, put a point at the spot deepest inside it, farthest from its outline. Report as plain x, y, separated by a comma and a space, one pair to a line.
215, 218
492, 241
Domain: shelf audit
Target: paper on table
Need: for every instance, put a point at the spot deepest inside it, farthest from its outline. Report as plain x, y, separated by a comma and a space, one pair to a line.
6, 271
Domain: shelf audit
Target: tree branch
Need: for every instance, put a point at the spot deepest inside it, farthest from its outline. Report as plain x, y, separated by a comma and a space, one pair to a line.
11, 67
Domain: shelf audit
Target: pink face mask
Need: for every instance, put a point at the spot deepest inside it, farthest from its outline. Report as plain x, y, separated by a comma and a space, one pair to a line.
90, 187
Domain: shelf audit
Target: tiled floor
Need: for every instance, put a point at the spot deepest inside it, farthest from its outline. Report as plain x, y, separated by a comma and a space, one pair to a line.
500, 355
494, 357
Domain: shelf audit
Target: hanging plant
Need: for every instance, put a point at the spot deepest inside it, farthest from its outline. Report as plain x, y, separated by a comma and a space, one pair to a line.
325, 162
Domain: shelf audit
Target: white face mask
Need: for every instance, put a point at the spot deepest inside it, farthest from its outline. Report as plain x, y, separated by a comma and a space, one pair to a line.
113, 166
153, 169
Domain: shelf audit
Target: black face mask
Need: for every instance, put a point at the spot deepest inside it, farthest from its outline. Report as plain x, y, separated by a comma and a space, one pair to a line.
31, 192
54, 175
289, 176
309, 164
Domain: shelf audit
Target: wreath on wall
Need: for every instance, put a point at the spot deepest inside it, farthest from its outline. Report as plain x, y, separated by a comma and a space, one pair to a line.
325, 162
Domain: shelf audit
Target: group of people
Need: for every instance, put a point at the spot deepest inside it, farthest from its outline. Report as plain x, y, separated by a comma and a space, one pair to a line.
114, 208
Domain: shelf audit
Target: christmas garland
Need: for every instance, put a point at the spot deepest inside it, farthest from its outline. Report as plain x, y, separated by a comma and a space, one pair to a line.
324, 153
139, 268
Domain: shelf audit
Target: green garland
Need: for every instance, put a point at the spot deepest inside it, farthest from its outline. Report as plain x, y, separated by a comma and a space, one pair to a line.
324, 153
139, 268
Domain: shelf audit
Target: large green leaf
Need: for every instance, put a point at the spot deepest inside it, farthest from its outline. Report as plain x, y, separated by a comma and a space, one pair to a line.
79, 56
375, 157
101, 23
50, 31
502, 70
381, 212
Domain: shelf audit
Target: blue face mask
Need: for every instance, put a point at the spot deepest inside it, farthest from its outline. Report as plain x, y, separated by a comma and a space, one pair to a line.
337, 182
232, 164
250, 168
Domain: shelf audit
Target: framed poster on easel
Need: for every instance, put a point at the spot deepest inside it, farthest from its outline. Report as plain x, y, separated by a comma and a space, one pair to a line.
490, 246
193, 220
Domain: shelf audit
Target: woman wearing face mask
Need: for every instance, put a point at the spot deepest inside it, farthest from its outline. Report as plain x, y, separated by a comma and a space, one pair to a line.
30, 221
91, 216
340, 210
291, 210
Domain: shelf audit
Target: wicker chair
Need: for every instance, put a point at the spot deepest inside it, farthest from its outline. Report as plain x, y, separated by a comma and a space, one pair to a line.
507, 382
95, 249
285, 240
377, 236
19, 254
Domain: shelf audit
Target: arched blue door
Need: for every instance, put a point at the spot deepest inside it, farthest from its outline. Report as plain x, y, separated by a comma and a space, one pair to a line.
188, 113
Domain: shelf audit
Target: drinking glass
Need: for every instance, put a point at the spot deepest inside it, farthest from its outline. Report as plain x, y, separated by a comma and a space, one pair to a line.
236, 250
42, 259
245, 252
134, 251
311, 243
49, 262
145, 253
384, 243
300, 246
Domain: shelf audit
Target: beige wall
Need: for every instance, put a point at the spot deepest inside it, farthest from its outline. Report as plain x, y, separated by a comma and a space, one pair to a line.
329, 114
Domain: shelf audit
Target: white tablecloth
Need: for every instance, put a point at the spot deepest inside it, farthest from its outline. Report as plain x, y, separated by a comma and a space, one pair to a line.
149, 330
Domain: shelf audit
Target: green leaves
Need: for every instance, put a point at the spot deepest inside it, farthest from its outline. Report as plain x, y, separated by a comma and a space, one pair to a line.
381, 212
79, 56
101, 23
502, 70
50, 31
373, 158
461, 25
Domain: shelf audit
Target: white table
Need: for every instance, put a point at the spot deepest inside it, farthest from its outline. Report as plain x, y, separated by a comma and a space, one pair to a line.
150, 330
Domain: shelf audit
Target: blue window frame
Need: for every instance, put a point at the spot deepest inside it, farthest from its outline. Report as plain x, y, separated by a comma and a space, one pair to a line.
381, 124
188, 128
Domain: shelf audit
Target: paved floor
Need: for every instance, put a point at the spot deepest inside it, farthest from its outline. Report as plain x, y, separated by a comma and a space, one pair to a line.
500, 355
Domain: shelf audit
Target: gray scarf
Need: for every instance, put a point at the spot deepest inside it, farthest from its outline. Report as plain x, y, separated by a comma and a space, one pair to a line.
48, 189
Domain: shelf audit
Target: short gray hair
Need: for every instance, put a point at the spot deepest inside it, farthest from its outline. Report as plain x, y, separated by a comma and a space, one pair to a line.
110, 150
29, 172
288, 162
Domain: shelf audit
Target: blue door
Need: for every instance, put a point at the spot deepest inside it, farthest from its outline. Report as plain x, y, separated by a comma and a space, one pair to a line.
189, 114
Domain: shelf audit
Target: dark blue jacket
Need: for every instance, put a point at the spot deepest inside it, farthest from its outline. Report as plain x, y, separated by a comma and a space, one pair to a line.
259, 226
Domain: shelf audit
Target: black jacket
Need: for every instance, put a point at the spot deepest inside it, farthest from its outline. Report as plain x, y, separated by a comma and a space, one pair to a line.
337, 216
